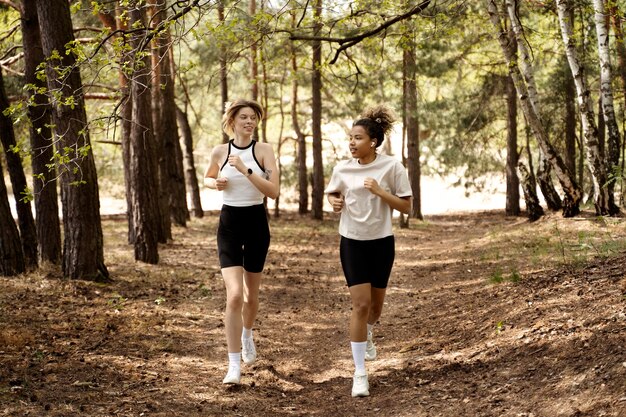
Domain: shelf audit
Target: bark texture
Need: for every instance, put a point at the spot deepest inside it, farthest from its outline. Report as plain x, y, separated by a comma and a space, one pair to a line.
47, 222
83, 256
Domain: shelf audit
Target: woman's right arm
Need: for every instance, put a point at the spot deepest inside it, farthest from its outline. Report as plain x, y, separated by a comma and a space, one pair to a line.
213, 170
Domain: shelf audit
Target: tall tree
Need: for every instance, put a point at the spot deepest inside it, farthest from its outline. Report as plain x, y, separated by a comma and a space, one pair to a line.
11, 255
303, 182
167, 130
39, 113
164, 160
411, 120
595, 158
115, 21
512, 207
223, 67
616, 20
83, 256
28, 232
612, 151
143, 173
254, 63
317, 202
573, 194
190, 166
569, 90
544, 168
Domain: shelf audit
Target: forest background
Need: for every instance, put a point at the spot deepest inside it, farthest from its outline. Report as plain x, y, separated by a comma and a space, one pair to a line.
122, 100
133, 93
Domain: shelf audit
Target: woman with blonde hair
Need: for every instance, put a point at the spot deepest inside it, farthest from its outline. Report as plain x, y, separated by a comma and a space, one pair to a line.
244, 170
365, 190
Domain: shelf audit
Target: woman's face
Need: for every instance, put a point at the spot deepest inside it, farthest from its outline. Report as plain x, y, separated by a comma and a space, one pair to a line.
360, 143
244, 122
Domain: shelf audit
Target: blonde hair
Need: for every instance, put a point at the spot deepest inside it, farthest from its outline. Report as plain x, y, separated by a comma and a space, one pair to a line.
233, 108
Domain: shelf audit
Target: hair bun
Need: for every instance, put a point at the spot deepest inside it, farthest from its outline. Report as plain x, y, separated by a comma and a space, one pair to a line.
382, 115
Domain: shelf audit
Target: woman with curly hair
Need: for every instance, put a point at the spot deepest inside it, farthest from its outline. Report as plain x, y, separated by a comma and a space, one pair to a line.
365, 190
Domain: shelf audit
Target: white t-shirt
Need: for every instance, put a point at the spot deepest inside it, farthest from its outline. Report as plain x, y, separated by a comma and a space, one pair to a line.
366, 216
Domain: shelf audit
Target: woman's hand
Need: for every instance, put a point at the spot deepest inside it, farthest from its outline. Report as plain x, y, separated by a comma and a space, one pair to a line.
372, 185
221, 183
336, 201
236, 162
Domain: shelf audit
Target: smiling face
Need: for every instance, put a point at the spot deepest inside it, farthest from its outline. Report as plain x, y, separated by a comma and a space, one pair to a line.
361, 144
244, 122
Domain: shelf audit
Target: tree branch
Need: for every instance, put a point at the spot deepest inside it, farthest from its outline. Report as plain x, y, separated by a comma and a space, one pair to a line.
14, 5
353, 40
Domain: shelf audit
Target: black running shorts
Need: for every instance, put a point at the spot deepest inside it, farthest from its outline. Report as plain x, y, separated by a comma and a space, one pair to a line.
367, 261
243, 237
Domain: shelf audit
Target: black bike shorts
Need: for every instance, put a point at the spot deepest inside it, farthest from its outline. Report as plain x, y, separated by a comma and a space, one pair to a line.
243, 237
367, 261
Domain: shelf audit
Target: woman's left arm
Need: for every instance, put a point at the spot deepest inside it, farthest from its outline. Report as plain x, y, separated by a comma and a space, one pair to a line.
402, 204
269, 187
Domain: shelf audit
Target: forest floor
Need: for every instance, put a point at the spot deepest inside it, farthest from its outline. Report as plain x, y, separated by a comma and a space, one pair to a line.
486, 315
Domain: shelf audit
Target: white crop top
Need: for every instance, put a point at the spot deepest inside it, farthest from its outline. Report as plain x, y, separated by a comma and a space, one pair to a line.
240, 192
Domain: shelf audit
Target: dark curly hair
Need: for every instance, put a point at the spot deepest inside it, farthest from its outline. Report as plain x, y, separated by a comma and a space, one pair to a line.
377, 122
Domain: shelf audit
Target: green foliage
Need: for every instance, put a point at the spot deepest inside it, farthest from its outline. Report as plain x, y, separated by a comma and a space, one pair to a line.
460, 74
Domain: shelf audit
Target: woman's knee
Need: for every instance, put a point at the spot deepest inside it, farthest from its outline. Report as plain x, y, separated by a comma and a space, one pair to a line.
361, 306
234, 301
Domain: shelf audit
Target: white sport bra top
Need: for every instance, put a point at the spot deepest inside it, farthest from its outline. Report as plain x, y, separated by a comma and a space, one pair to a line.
240, 192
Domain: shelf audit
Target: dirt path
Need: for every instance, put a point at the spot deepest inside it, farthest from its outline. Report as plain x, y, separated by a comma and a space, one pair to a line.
485, 316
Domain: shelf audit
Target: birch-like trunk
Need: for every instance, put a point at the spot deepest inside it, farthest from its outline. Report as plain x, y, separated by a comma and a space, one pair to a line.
544, 173
572, 192
606, 91
595, 157
524, 55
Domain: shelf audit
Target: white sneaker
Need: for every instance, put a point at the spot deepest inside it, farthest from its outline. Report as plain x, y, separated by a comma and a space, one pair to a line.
370, 349
360, 386
233, 376
248, 350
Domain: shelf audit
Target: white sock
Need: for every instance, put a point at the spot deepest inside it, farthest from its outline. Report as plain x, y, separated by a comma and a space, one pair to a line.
358, 354
234, 359
246, 333
370, 327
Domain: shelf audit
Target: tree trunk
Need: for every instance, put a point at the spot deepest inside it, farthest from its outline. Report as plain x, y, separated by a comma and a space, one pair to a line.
254, 68
47, 221
544, 178
167, 130
223, 68
570, 122
612, 151
595, 158
512, 156
190, 165
533, 209
11, 255
543, 172
28, 231
412, 123
83, 256
572, 191
117, 22
303, 184
616, 20
143, 173
317, 204
163, 159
